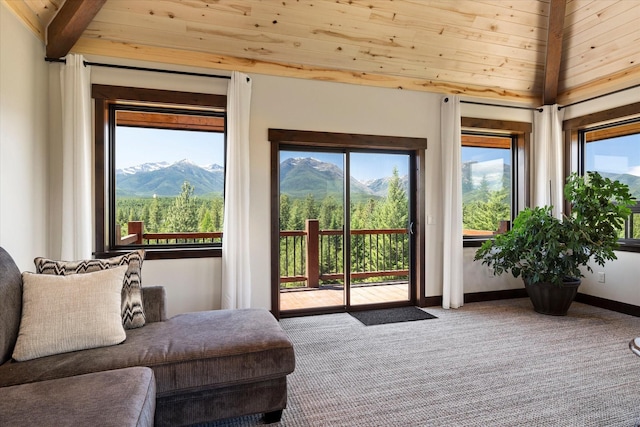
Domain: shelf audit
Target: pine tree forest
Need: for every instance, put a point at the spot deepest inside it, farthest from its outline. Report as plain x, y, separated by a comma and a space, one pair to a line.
181, 214
369, 252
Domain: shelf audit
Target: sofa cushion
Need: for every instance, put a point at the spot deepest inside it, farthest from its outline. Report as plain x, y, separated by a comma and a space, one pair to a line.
10, 304
188, 352
120, 398
67, 313
132, 306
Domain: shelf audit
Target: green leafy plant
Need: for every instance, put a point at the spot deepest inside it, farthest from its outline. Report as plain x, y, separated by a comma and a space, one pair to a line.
544, 249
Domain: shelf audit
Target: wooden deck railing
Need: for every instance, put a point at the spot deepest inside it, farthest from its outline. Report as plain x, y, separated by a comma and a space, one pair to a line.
311, 256
137, 236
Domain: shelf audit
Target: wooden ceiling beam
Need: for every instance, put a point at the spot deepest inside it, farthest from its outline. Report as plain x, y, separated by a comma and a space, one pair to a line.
68, 25
553, 55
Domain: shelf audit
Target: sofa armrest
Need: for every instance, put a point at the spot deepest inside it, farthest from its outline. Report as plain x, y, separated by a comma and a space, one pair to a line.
154, 299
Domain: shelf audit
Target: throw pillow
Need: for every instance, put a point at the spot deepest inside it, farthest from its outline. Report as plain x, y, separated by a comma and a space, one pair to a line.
132, 307
69, 313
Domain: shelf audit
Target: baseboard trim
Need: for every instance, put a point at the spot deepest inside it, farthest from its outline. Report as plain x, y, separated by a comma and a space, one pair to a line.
495, 295
432, 301
480, 296
435, 301
620, 307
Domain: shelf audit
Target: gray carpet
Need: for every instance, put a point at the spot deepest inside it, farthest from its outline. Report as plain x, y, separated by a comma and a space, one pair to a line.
486, 364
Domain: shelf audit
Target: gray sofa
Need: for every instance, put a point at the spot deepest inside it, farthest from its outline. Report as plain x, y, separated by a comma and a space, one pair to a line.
207, 365
119, 398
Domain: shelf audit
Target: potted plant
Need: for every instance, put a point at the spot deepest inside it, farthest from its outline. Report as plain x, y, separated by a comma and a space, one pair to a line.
548, 252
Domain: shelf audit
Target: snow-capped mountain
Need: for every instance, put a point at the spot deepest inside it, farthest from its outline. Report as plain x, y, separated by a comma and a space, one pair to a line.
166, 179
301, 176
145, 167
213, 168
298, 177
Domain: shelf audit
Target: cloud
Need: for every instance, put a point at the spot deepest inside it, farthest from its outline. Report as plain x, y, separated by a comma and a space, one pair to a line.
613, 164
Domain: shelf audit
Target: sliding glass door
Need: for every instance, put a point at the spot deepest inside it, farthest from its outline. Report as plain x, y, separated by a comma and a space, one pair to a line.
332, 258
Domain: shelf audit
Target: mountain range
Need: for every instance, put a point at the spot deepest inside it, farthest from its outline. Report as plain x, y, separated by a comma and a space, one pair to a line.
305, 175
633, 181
490, 175
166, 179
298, 177
301, 176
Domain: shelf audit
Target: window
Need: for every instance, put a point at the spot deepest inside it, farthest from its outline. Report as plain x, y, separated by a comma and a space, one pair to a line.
613, 150
486, 183
160, 159
493, 175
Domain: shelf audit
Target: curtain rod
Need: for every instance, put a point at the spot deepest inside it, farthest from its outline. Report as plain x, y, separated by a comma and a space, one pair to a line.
128, 67
217, 76
498, 105
599, 96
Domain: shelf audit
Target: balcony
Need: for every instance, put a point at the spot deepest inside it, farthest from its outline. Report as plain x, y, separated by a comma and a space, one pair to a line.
311, 267
311, 263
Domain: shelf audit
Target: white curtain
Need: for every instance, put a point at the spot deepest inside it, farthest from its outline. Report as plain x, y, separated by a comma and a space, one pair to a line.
548, 176
452, 286
76, 229
236, 271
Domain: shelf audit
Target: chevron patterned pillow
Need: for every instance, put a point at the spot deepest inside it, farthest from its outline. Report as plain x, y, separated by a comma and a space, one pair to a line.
132, 307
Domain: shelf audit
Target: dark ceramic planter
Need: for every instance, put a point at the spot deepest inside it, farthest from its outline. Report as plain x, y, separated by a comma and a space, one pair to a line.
552, 299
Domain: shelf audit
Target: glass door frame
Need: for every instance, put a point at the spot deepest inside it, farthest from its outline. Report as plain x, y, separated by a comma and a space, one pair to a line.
341, 142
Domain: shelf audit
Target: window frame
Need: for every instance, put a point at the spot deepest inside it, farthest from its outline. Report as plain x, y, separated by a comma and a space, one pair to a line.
575, 146
105, 97
520, 134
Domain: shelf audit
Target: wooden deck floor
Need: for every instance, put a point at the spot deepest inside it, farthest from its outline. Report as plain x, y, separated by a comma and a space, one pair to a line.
331, 297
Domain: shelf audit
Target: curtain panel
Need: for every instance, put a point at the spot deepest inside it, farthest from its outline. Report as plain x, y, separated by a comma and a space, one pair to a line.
450, 131
76, 227
236, 266
547, 148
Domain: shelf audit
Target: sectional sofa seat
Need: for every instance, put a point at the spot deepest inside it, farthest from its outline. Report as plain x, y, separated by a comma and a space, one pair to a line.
207, 365
120, 398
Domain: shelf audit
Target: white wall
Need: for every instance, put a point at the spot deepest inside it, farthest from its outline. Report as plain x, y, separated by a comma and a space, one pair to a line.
191, 284
601, 104
289, 103
28, 179
477, 277
622, 274
23, 141
620, 279
330, 107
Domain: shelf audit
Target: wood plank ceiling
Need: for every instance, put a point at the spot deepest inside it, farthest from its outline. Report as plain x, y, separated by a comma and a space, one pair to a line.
529, 52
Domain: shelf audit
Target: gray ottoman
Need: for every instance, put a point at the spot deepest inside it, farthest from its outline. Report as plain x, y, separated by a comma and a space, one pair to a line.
123, 397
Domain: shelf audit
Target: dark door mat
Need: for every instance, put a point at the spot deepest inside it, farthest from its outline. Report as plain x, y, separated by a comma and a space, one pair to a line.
391, 315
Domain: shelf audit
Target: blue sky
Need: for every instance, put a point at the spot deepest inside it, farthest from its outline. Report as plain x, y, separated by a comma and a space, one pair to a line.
616, 155
364, 166
476, 154
139, 145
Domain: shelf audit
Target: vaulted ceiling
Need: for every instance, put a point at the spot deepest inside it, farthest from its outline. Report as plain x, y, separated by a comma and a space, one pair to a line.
532, 52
